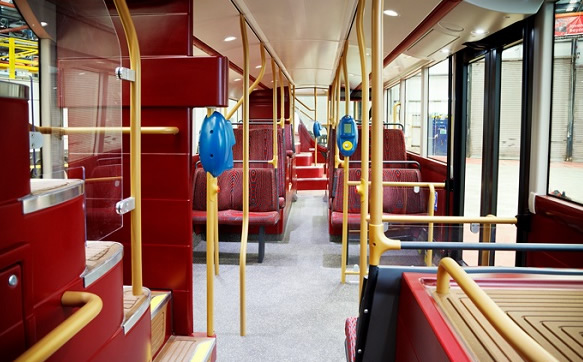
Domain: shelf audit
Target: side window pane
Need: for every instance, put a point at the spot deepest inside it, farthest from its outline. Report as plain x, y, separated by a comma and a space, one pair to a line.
566, 145
413, 113
437, 111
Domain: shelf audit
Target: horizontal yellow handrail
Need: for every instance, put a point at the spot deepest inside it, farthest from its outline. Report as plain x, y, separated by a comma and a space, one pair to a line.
416, 219
436, 185
90, 304
527, 347
102, 179
91, 130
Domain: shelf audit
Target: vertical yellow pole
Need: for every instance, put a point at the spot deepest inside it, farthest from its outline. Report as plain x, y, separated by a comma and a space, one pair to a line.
430, 212
364, 146
11, 58
135, 144
274, 113
486, 238
344, 220
259, 78
216, 227
210, 244
245, 229
376, 192
336, 120
346, 82
315, 120
281, 100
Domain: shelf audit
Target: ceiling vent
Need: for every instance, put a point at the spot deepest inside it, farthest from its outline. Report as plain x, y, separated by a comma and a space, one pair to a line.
429, 43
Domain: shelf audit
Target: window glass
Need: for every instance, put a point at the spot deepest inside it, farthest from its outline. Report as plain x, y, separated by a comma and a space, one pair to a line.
393, 104
566, 144
437, 111
413, 113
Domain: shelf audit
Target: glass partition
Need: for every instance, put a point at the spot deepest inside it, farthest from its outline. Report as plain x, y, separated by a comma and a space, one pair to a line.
413, 113
81, 103
437, 111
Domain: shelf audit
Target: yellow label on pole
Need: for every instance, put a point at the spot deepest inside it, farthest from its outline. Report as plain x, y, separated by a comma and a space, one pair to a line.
347, 145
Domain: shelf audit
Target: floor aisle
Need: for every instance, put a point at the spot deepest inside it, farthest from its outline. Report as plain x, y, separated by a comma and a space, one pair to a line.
296, 305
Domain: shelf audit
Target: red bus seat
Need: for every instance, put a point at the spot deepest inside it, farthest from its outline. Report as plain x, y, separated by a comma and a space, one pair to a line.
263, 200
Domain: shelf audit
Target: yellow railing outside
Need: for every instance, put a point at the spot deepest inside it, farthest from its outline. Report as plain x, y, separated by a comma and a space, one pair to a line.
18, 51
527, 347
90, 304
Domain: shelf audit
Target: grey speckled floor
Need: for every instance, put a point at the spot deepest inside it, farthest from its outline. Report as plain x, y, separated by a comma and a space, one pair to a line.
296, 305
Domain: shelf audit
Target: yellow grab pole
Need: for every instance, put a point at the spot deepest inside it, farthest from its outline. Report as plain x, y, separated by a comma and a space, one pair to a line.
315, 120
291, 94
274, 159
135, 144
364, 146
281, 100
245, 228
215, 215
524, 344
430, 212
346, 81
378, 241
486, 238
344, 220
337, 159
91, 305
259, 78
210, 245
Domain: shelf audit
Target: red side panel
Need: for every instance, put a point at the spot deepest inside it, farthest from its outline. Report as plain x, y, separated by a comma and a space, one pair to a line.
14, 123
556, 221
424, 334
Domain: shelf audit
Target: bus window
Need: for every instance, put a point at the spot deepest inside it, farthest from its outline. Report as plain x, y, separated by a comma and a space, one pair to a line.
437, 111
566, 145
413, 113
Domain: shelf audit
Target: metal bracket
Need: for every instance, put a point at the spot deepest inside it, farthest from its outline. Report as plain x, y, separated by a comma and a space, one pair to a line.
124, 73
36, 139
126, 205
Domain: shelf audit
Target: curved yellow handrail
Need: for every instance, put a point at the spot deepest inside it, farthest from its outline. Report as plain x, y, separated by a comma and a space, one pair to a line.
364, 146
211, 198
259, 78
422, 219
245, 228
135, 144
91, 305
398, 104
527, 347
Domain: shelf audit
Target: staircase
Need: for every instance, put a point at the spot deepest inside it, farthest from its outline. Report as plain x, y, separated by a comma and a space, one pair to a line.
310, 176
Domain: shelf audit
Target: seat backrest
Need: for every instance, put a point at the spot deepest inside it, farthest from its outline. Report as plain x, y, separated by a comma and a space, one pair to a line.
353, 197
403, 200
262, 190
394, 145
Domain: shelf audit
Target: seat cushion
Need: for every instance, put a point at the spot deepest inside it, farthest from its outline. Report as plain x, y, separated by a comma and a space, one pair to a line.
350, 333
235, 217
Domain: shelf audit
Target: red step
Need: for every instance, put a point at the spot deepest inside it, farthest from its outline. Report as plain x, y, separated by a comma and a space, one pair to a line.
304, 159
312, 183
310, 171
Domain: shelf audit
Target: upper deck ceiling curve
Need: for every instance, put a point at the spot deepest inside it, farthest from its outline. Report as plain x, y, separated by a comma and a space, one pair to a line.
307, 37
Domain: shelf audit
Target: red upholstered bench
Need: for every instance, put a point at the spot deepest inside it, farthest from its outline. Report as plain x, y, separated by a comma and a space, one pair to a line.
263, 200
